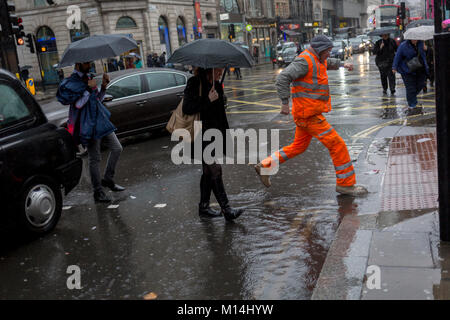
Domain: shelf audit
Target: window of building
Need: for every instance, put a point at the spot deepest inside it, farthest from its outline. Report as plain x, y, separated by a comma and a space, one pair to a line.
78, 34
40, 3
181, 30
164, 38
125, 23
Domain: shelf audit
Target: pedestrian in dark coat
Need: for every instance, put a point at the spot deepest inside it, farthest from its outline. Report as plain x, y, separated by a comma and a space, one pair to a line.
89, 124
212, 115
150, 61
414, 81
121, 64
385, 49
162, 59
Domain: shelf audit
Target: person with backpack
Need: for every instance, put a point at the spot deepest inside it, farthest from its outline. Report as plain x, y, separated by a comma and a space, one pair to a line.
410, 61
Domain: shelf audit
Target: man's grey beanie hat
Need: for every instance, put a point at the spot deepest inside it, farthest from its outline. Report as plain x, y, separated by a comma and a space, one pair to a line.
321, 43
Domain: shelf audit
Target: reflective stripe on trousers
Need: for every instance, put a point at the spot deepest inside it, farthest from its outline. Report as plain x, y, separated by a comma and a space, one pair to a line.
345, 174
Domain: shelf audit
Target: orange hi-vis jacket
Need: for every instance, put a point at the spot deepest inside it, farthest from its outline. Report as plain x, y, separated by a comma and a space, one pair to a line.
310, 98
311, 94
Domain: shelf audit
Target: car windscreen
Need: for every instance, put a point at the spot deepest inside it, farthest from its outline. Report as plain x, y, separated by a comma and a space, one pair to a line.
337, 44
289, 51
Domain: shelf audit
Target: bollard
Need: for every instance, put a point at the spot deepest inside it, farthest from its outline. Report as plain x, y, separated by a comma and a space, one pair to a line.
442, 85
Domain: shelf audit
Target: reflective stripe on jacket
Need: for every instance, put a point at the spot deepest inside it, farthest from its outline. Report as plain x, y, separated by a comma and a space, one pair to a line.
311, 94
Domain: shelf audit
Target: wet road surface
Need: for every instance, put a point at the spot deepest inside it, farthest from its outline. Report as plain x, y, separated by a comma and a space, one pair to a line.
154, 241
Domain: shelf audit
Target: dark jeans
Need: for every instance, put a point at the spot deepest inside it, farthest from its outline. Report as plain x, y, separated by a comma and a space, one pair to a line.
94, 154
237, 71
414, 83
386, 74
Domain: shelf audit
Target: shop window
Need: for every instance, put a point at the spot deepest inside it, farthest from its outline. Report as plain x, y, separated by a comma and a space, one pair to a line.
125, 23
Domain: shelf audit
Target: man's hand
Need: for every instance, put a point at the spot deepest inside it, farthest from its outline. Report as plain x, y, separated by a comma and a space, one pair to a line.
213, 95
284, 108
348, 66
105, 80
381, 45
92, 83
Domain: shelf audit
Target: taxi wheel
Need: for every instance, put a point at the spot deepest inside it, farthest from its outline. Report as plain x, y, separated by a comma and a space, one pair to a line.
39, 205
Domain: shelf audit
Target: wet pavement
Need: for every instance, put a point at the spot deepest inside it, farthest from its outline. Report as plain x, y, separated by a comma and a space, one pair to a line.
154, 241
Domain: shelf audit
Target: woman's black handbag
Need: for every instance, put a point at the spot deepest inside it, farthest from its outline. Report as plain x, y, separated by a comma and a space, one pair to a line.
414, 64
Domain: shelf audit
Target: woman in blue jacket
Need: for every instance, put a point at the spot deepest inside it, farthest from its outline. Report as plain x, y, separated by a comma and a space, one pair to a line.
414, 81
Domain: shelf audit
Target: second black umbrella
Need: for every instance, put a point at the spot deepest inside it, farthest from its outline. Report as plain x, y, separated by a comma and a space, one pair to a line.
212, 53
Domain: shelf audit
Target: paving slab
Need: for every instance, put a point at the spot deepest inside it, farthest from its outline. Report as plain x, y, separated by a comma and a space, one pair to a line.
404, 284
341, 278
401, 249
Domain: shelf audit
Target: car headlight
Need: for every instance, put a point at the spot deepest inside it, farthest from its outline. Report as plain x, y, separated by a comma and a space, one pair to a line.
361, 45
280, 58
340, 50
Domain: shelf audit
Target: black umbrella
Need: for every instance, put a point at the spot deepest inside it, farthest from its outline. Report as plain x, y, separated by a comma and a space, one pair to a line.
382, 30
96, 47
421, 22
212, 53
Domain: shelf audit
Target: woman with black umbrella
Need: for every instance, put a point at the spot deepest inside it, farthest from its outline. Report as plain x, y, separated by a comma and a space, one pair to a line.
210, 104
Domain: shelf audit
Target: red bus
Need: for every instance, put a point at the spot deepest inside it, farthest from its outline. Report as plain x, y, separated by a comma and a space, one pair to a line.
388, 15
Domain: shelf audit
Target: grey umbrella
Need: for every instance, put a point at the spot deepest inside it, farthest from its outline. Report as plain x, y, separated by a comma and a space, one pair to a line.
421, 22
419, 33
212, 53
96, 47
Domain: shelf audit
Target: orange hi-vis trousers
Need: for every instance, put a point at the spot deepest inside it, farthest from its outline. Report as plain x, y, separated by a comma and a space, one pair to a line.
318, 127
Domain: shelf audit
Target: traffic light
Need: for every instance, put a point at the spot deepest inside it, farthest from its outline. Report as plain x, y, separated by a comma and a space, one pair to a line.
402, 10
29, 42
231, 32
13, 20
20, 34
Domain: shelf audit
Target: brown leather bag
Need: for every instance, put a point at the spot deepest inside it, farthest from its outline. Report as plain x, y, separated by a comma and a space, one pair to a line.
179, 120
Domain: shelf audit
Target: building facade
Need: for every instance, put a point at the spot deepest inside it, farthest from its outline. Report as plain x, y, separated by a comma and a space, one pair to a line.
256, 15
157, 26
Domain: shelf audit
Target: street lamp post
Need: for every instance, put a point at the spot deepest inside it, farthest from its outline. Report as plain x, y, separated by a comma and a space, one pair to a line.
442, 63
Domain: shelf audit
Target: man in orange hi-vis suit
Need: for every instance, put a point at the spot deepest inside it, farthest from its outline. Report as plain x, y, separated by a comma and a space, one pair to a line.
310, 98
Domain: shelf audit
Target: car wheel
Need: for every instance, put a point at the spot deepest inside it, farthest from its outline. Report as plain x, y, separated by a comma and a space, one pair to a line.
40, 205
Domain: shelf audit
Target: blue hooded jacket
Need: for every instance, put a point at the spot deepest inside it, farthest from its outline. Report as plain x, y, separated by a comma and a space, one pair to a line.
406, 52
92, 120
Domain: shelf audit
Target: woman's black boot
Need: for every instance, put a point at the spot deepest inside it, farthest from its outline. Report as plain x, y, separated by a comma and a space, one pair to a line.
205, 193
205, 210
221, 196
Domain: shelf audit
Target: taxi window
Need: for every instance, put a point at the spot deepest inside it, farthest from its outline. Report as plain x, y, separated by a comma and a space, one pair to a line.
12, 108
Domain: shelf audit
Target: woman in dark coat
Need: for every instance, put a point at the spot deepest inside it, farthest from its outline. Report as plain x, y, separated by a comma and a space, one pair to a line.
414, 81
212, 114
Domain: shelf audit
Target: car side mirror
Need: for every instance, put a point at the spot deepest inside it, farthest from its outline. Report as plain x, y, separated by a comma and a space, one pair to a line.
108, 98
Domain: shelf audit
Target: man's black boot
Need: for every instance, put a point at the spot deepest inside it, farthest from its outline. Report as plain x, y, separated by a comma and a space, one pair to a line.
111, 185
100, 196
205, 210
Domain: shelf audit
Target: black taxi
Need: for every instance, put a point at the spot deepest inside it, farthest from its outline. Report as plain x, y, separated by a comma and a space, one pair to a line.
38, 161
